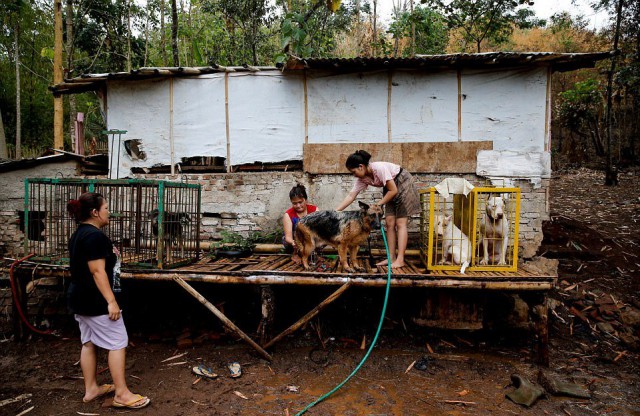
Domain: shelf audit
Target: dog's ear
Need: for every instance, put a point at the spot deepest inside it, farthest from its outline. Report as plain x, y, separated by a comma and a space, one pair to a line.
363, 206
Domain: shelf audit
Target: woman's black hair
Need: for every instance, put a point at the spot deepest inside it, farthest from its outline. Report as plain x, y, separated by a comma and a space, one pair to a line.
80, 209
358, 158
298, 191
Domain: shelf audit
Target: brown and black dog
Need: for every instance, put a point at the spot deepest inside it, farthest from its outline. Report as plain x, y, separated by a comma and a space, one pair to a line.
344, 230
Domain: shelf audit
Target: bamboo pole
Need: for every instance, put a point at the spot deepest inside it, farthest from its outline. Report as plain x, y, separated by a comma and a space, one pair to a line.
226, 321
226, 119
335, 295
427, 281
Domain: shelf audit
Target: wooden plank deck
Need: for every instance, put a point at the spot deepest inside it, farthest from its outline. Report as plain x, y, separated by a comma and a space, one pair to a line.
280, 269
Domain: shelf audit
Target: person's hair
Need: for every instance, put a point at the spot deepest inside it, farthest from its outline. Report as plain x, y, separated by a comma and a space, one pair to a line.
298, 191
80, 209
360, 157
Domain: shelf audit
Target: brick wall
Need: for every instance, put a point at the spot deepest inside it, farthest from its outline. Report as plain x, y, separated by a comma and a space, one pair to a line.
256, 201
12, 201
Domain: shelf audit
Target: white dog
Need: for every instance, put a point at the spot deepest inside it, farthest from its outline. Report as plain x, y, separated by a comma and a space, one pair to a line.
494, 230
455, 243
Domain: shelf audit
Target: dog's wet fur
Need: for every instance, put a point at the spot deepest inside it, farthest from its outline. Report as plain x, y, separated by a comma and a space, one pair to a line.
344, 230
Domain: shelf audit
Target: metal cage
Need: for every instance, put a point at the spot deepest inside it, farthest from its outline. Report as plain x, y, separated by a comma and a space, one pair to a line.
483, 223
154, 224
453, 230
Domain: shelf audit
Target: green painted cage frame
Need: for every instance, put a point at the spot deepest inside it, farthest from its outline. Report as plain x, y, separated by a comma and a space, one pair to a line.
153, 223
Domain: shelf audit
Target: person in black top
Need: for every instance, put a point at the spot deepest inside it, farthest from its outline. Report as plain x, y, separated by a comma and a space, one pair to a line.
95, 282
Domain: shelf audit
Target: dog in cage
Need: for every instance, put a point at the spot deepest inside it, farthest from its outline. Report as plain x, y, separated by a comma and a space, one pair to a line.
344, 230
494, 231
175, 226
456, 246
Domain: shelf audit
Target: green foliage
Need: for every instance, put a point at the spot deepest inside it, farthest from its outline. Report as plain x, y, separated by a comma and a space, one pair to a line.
312, 30
481, 19
581, 111
232, 240
432, 34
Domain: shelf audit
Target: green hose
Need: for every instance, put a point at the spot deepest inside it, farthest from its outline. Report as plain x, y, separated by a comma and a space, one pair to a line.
375, 339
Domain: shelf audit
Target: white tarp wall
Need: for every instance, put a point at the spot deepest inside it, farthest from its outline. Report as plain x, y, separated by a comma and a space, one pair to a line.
265, 119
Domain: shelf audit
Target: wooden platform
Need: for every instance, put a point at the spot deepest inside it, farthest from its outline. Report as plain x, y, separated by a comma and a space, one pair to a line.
280, 269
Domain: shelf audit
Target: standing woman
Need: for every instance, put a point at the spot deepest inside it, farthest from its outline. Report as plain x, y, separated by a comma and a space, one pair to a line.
95, 279
399, 196
299, 209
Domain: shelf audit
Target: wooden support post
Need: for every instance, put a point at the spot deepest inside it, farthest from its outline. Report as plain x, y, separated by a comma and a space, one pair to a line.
268, 313
58, 111
541, 319
335, 295
221, 316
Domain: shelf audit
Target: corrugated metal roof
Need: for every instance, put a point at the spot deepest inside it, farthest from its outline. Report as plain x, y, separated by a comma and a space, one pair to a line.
556, 61
8, 165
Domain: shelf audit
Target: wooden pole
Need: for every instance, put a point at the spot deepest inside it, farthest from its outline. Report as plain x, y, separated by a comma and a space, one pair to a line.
58, 111
171, 145
517, 283
226, 119
335, 295
541, 319
221, 316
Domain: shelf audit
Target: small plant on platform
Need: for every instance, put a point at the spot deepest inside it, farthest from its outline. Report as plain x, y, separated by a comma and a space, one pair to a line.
233, 244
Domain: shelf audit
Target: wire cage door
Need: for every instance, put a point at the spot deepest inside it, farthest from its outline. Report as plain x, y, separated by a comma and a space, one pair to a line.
446, 223
496, 225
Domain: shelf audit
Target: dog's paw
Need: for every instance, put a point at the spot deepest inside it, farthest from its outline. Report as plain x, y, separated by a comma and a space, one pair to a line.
359, 268
502, 263
349, 270
483, 262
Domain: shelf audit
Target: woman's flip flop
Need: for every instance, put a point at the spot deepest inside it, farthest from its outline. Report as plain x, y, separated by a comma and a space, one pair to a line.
203, 371
234, 369
104, 390
138, 403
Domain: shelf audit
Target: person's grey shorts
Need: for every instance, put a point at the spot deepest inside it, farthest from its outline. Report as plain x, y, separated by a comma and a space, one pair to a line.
103, 332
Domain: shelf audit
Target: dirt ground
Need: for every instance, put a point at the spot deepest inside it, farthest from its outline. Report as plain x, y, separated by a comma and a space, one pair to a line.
594, 333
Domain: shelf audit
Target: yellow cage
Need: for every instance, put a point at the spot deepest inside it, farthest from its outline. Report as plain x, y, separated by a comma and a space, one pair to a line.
453, 230
483, 224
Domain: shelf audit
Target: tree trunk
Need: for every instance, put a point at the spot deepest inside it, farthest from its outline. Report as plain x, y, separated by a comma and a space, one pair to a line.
375, 34
129, 36
72, 97
174, 33
146, 35
611, 177
163, 38
413, 32
18, 111
3, 140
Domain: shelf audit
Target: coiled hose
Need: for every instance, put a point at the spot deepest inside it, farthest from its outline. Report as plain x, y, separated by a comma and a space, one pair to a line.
16, 301
375, 338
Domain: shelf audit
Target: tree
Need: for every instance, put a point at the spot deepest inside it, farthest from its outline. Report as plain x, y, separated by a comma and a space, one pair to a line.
174, 33
479, 20
3, 140
312, 29
581, 110
431, 32
248, 24
626, 75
